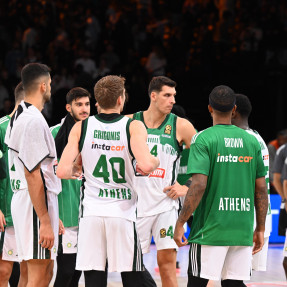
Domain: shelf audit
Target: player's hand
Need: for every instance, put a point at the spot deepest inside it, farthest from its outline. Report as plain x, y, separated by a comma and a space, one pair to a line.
178, 235
77, 168
61, 227
175, 191
46, 232
258, 241
2, 221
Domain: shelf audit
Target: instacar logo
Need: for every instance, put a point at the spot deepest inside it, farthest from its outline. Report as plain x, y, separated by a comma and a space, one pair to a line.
233, 158
159, 172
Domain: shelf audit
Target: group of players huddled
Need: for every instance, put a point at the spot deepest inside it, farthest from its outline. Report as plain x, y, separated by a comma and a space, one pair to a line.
91, 191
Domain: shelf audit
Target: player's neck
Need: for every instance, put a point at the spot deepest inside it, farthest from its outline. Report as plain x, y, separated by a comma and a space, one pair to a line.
243, 125
218, 120
110, 111
35, 100
153, 118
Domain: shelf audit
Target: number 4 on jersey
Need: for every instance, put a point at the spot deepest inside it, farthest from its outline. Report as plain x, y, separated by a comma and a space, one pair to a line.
154, 150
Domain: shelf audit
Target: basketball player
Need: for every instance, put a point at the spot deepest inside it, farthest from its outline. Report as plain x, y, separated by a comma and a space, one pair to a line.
240, 119
32, 162
113, 148
8, 248
228, 179
78, 108
159, 192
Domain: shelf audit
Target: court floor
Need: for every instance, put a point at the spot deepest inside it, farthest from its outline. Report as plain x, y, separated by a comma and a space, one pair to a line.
274, 276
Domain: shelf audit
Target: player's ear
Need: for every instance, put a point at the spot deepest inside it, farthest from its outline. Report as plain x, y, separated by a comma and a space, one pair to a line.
210, 109
233, 113
68, 108
153, 96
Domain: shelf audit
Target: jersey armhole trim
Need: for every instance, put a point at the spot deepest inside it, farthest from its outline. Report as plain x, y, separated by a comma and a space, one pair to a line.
178, 147
129, 136
83, 134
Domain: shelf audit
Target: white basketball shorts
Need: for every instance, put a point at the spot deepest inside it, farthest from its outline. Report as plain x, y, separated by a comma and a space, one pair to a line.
10, 252
220, 262
161, 227
111, 239
27, 226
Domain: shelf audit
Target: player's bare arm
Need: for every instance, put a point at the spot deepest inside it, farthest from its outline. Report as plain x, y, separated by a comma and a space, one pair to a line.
37, 195
192, 199
261, 206
184, 131
69, 167
146, 162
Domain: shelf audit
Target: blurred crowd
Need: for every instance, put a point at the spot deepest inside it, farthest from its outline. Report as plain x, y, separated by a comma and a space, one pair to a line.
198, 43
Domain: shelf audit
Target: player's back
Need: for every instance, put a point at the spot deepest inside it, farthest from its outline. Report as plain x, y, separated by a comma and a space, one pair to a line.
232, 160
107, 164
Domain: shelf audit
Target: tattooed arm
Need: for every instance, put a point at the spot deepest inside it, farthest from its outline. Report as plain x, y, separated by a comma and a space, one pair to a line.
192, 199
261, 206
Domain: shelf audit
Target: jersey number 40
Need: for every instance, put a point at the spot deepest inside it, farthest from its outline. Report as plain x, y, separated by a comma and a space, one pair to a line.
118, 169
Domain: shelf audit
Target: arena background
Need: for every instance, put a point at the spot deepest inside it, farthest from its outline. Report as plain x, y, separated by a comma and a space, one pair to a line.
199, 44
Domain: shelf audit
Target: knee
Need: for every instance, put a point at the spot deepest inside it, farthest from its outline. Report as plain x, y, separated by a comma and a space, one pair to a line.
5, 272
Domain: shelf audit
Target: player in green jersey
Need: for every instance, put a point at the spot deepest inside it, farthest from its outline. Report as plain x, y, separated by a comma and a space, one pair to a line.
6, 193
5, 206
228, 180
78, 108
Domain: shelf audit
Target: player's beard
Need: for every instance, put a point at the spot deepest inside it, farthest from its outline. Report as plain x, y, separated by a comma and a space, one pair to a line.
74, 116
47, 97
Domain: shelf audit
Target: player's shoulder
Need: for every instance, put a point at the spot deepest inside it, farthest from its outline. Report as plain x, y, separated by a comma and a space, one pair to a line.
4, 121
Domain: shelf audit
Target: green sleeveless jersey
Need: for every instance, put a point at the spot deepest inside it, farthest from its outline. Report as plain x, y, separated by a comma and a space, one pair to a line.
69, 198
232, 160
6, 192
162, 143
183, 176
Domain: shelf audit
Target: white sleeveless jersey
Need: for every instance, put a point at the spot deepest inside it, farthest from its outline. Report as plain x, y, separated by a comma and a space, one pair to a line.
163, 144
108, 170
265, 155
31, 144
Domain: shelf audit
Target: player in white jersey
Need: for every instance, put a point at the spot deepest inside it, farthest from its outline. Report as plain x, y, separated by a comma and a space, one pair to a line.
112, 149
240, 119
32, 161
159, 193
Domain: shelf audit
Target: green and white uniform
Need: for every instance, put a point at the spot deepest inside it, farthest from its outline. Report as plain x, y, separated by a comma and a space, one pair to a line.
232, 160
183, 176
8, 246
163, 144
69, 201
5, 188
157, 213
108, 197
259, 260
